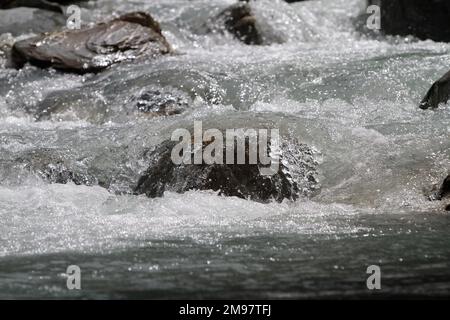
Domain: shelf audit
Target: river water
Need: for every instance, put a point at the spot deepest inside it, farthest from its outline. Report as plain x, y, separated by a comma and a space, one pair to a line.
352, 97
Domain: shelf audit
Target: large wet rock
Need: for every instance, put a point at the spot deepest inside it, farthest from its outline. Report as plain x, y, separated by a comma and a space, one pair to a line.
126, 38
438, 93
424, 19
295, 177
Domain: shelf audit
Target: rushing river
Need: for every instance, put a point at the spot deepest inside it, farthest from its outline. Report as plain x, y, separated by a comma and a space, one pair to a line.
352, 97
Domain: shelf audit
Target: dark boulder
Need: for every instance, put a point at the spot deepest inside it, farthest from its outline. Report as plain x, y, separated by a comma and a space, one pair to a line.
92, 49
438, 93
424, 19
442, 193
296, 175
245, 24
444, 190
239, 20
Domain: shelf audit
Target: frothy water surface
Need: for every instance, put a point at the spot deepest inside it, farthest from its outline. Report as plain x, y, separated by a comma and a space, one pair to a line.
352, 98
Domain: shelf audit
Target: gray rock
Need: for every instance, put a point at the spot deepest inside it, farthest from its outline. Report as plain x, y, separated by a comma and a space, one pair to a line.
161, 103
54, 167
438, 93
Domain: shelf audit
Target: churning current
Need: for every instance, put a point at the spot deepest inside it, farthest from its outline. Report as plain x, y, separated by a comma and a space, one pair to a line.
352, 98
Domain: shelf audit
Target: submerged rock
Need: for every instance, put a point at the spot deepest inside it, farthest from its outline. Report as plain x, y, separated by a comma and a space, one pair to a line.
438, 93
295, 176
53, 167
92, 49
161, 103
421, 18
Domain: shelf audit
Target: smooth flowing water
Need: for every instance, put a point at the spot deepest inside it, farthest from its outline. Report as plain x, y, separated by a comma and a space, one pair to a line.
351, 97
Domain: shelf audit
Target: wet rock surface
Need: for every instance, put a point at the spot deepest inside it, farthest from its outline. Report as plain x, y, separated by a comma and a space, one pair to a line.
295, 177
54, 166
241, 21
442, 193
439, 93
126, 38
444, 190
160, 102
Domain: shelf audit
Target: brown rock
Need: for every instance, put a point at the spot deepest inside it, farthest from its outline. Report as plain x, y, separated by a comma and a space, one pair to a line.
92, 49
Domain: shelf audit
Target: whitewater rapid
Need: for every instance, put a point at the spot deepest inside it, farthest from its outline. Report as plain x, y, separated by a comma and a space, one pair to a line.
352, 97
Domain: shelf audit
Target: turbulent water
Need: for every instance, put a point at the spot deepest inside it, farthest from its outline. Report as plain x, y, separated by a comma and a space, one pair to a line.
352, 97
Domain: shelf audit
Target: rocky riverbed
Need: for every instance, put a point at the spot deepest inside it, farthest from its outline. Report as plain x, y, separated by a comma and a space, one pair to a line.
79, 184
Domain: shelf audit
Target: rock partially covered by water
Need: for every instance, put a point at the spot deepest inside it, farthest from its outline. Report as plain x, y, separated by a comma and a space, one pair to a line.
443, 192
421, 18
295, 176
438, 93
92, 49
240, 21
159, 102
53, 167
